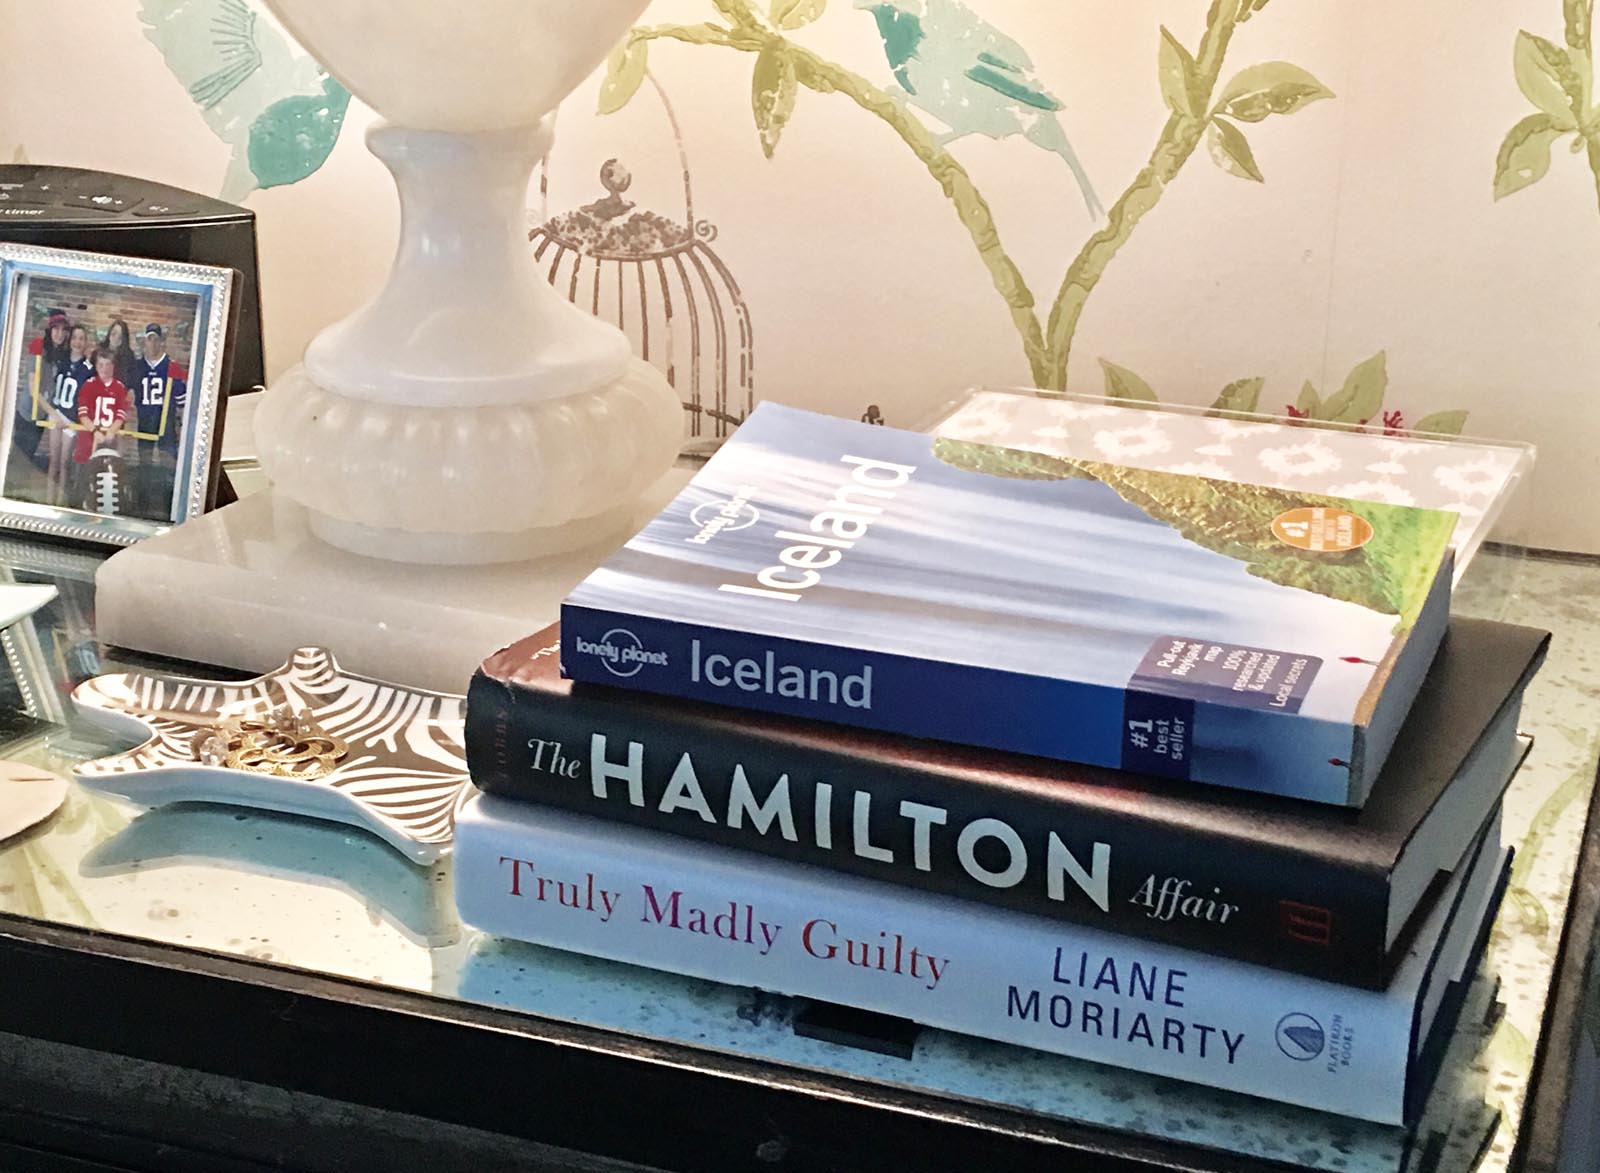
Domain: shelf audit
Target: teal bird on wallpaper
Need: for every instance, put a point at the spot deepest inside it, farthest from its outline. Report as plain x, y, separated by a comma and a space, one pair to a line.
256, 89
955, 66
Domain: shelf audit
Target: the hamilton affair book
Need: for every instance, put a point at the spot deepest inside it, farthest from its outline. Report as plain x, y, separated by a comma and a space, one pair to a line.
1324, 890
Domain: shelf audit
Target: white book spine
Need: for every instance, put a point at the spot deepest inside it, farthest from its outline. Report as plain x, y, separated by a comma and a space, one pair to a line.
649, 899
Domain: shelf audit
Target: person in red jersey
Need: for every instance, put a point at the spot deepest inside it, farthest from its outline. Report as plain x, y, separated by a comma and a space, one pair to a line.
103, 406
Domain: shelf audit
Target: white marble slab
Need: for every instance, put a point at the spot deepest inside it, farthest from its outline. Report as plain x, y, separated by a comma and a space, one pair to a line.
244, 586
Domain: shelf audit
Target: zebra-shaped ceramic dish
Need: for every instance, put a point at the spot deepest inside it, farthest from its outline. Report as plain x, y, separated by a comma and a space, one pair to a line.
391, 761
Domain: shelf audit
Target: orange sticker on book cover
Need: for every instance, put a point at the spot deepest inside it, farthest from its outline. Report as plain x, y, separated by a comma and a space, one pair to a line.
1322, 529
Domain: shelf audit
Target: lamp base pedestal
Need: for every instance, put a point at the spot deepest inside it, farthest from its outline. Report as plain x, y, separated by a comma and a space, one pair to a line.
245, 585
469, 413
448, 549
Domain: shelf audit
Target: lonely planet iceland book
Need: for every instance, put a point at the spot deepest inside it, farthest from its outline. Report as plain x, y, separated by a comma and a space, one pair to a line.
1154, 622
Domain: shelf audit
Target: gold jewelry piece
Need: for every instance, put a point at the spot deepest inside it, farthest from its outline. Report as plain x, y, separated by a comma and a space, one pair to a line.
284, 742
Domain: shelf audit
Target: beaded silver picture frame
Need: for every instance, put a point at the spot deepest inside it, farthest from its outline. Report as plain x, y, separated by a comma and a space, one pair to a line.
111, 377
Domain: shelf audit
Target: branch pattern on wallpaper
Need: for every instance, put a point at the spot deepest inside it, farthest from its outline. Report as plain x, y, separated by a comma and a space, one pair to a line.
972, 78
947, 64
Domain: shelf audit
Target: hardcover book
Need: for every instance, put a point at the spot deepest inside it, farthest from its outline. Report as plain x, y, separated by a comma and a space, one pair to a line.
607, 890
1166, 624
1323, 890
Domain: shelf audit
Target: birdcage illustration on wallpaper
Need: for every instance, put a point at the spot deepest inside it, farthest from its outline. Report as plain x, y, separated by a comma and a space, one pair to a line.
662, 283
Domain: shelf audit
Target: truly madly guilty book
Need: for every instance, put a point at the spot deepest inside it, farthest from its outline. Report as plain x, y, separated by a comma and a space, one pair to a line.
606, 890
1154, 622
1324, 890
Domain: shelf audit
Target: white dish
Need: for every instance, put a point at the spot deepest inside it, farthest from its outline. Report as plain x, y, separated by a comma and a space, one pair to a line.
402, 777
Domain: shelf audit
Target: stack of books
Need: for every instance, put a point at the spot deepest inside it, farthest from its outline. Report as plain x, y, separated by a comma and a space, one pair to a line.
1184, 776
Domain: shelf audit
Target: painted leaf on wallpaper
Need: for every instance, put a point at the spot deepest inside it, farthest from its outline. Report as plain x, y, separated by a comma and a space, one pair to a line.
1584, 65
1578, 14
256, 89
793, 14
1231, 151
1121, 383
1181, 89
1309, 405
1243, 395
1273, 87
774, 89
1524, 157
1359, 401
625, 70
1560, 84
1547, 78
1442, 423
295, 135
1361, 397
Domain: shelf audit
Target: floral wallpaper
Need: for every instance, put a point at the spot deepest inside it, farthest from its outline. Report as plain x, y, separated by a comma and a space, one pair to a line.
868, 205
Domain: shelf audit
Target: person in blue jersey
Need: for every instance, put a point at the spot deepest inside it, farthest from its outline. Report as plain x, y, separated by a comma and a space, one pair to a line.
160, 395
71, 373
46, 352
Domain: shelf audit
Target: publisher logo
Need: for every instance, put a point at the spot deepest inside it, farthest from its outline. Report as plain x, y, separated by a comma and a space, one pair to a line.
711, 518
620, 652
1300, 1037
1322, 529
1306, 923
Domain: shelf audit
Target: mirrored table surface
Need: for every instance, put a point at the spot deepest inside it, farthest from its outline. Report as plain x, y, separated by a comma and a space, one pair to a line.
289, 953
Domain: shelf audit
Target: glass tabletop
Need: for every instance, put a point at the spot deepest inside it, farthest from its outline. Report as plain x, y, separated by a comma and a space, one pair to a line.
330, 899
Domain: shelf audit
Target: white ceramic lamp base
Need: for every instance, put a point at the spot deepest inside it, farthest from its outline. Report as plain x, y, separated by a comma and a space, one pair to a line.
468, 485
244, 586
469, 414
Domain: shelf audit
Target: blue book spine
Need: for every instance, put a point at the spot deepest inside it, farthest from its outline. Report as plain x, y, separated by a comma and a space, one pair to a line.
1171, 733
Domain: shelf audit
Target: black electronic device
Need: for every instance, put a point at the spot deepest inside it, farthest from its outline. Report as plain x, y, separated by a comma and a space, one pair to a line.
94, 211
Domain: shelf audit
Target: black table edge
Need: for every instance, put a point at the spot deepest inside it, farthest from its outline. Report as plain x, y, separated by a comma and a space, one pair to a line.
1546, 1140
576, 1087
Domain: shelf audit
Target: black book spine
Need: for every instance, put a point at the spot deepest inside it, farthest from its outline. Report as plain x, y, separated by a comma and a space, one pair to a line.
1112, 865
